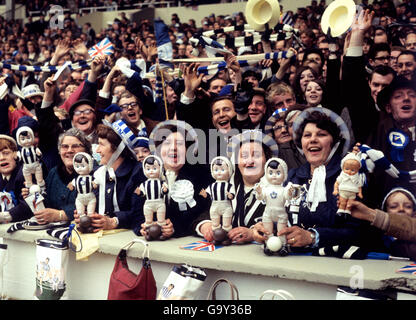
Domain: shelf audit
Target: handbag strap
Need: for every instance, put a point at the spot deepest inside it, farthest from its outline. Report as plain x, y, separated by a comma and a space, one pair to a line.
146, 250
280, 293
212, 292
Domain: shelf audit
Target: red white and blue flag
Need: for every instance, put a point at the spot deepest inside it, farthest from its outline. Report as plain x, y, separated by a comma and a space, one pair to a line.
103, 48
202, 245
411, 268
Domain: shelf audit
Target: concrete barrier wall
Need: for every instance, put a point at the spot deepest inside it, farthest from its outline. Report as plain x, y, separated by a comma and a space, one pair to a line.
99, 19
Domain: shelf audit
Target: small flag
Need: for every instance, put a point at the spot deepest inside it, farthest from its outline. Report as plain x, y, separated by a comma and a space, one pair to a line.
411, 268
103, 48
212, 47
202, 245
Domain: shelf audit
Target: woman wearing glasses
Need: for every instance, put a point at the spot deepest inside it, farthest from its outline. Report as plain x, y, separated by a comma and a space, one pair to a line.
279, 127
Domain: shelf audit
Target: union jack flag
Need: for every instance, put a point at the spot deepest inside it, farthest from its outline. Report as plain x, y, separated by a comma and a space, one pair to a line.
411, 268
202, 245
104, 48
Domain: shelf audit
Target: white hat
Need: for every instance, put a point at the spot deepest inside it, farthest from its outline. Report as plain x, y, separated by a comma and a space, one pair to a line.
398, 189
339, 16
32, 90
260, 12
9, 138
128, 138
351, 156
243, 50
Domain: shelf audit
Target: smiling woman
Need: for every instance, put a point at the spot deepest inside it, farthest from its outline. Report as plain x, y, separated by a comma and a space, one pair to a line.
175, 142
249, 151
323, 138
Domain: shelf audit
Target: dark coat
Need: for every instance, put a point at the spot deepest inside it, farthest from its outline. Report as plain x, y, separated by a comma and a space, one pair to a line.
58, 196
129, 176
183, 220
21, 210
333, 229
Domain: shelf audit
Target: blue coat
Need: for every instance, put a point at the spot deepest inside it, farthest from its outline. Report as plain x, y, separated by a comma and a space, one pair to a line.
21, 210
333, 229
129, 176
58, 196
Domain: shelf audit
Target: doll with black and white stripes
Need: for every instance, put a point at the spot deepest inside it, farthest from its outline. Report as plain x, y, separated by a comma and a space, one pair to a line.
221, 193
85, 201
154, 189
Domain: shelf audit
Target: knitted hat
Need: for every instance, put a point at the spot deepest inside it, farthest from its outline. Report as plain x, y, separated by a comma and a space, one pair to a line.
351, 156
276, 116
128, 138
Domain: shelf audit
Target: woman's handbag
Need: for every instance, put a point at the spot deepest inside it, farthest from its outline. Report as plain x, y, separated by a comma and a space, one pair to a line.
182, 283
212, 292
125, 284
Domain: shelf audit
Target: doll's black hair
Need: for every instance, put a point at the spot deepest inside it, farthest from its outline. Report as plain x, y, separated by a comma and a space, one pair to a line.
151, 161
273, 164
79, 158
218, 162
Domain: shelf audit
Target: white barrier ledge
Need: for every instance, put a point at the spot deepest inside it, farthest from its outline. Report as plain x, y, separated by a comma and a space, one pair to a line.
253, 272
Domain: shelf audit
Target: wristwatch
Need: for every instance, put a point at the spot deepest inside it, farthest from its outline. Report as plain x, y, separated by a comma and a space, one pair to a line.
313, 236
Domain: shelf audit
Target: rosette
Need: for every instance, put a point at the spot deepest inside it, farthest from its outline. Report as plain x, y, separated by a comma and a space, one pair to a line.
182, 192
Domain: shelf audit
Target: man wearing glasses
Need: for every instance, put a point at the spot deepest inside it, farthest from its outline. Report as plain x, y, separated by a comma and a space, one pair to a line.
82, 116
131, 111
379, 54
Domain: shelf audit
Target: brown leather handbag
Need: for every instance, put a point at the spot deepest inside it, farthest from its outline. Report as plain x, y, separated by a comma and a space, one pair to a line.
125, 284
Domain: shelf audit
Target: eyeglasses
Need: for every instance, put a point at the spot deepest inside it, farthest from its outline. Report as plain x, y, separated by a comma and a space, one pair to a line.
72, 146
126, 105
382, 58
86, 112
280, 127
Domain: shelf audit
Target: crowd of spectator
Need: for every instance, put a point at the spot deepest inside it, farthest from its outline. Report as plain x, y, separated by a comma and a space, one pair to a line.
302, 103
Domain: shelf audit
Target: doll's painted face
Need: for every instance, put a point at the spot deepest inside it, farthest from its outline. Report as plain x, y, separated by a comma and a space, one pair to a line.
82, 167
351, 167
25, 139
399, 203
220, 171
152, 171
274, 173
7, 161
